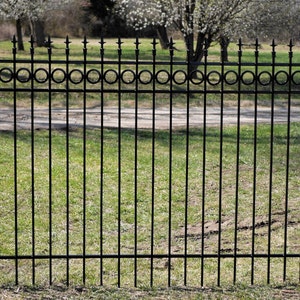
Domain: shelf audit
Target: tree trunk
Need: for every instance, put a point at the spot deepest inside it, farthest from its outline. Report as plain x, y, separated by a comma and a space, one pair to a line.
224, 43
163, 36
19, 35
37, 31
194, 56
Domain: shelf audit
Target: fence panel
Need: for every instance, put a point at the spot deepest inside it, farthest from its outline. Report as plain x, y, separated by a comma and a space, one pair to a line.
119, 167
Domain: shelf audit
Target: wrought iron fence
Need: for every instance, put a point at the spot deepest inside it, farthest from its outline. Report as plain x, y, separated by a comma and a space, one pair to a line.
122, 167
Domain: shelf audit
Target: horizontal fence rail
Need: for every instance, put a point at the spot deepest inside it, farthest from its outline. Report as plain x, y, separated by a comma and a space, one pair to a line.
119, 167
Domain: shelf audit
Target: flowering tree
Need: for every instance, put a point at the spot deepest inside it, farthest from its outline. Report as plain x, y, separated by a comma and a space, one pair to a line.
31, 10
141, 14
200, 22
270, 19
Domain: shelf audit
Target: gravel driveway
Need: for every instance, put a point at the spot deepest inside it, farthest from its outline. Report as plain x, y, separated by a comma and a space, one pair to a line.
145, 115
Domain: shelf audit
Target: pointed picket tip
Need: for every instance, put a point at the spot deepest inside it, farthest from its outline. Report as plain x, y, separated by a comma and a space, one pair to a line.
85, 41
14, 47
49, 42
240, 46
119, 42
14, 39
137, 41
273, 45
31, 40
291, 44
154, 42
171, 44
67, 41
102, 42
240, 43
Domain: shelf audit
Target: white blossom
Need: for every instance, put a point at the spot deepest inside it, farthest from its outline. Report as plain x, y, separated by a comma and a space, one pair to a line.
31, 9
189, 16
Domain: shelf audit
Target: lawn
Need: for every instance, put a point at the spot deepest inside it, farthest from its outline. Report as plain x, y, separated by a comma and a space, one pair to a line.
127, 205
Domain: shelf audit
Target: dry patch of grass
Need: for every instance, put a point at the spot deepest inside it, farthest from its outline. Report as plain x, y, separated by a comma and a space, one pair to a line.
233, 292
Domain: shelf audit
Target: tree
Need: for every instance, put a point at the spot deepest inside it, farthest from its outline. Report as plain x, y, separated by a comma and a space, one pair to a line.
141, 14
32, 11
270, 19
200, 22
13, 9
19, 34
101, 19
100, 8
99, 14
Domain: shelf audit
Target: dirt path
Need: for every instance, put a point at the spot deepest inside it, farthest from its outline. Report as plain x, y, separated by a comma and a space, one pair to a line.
145, 117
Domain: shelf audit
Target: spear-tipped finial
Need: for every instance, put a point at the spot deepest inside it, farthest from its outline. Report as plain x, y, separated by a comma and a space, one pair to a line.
101, 42
31, 41
67, 41
273, 45
240, 44
137, 42
48, 42
291, 44
14, 39
256, 44
154, 42
119, 42
171, 44
85, 42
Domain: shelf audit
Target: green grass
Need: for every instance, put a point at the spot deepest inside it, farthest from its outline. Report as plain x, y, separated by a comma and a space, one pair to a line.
146, 46
142, 223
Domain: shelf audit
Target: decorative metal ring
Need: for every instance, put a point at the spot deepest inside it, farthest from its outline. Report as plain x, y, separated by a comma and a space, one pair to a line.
107, 75
231, 77
294, 79
162, 81
284, 80
212, 81
73, 78
143, 78
38, 78
6, 75
177, 80
195, 79
57, 78
246, 79
93, 76
22, 77
127, 80
267, 81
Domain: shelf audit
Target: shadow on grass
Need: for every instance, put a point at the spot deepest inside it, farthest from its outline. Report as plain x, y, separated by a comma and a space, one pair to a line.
179, 136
